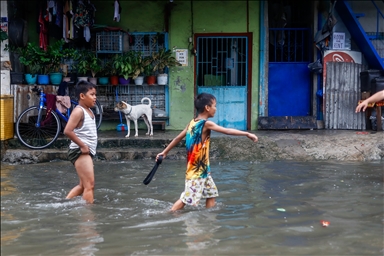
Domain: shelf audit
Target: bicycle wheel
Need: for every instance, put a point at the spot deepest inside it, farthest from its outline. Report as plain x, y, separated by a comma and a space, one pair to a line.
97, 111
36, 136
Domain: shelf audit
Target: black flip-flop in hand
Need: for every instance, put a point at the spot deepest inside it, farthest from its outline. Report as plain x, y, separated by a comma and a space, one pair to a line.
154, 169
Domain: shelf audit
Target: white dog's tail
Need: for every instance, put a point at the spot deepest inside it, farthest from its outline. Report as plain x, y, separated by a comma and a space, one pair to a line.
148, 99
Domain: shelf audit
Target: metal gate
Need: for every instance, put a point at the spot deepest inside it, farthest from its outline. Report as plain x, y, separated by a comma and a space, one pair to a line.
222, 70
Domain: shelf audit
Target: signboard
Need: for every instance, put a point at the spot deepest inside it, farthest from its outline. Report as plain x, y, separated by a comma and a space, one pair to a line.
182, 56
338, 42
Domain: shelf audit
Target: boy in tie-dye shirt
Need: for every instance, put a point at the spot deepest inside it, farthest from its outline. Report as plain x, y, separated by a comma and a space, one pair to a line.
198, 181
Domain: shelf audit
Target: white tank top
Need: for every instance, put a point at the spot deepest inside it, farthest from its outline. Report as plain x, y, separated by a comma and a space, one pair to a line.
87, 133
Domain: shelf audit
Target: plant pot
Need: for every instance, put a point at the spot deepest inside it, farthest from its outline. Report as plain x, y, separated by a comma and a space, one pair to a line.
93, 80
151, 80
30, 79
139, 80
162, 79
42, 79
103, 80
82, 78
67, 79
122, 80
55, 78
16, 78
114, 80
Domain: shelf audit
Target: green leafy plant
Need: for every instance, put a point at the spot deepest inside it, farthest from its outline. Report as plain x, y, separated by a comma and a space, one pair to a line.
86, 60
140, 64
148, 69
123, 64
27, 57
95, 65
163, 59
55, 55
3, 35
108, 68
81, 65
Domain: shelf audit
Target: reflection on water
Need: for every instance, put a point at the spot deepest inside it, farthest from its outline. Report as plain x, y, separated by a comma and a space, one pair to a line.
85, 237
263, 209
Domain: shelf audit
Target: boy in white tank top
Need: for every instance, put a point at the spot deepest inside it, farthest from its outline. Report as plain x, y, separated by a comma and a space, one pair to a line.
81, 129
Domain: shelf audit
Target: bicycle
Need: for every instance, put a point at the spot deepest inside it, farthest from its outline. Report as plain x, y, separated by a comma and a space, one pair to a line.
37, 127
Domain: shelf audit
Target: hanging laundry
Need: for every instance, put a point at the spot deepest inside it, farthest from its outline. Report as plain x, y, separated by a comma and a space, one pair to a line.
43, 34
117, 11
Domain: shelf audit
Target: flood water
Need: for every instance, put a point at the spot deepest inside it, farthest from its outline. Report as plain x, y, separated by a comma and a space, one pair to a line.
268, 208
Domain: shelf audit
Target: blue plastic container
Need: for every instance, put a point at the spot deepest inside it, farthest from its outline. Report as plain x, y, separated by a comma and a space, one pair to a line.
55, 78
43, 79
30, 79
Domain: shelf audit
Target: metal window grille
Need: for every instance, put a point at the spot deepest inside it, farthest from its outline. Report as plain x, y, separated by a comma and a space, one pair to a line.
222, 61
132, 94
109, 42
289, 45
148, 42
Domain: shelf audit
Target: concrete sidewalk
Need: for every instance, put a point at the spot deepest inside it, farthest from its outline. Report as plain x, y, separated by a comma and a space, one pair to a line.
299, 145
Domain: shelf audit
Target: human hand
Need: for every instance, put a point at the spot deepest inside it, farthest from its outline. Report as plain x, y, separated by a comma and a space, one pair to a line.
85, 150
362, 106
252, 137
160, 154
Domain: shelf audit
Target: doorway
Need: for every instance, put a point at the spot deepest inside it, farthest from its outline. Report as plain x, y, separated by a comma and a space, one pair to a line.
222, 69
290, 44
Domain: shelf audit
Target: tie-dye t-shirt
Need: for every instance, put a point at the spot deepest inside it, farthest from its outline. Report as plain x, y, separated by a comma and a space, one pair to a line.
197, 151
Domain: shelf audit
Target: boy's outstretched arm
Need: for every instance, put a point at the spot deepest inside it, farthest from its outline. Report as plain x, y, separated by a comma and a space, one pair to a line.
229, 131
173, 143
378, 96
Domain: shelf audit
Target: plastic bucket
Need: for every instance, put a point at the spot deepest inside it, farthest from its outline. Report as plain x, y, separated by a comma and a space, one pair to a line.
55, 78
30, 79
6, 117
103, 80
43, 79
114, 80
151, 80
122, 80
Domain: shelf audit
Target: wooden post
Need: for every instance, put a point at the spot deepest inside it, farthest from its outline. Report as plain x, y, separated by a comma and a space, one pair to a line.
368, 125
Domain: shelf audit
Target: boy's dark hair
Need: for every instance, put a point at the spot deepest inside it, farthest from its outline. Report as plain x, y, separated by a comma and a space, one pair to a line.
202, 100
83, 87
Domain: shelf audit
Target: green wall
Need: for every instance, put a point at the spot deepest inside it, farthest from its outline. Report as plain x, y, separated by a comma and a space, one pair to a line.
208, 17
186, 19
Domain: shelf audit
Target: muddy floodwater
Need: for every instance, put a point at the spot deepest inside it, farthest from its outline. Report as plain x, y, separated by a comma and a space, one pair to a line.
267, 208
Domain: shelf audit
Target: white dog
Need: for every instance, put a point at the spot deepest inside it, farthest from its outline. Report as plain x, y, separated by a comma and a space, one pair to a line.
135, 112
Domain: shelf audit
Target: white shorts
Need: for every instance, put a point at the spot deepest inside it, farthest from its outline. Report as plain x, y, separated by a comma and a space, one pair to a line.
197, 189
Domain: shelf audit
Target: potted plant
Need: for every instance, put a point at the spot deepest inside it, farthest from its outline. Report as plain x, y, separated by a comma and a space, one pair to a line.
82, 64
29, 60
104, 72
95, 66
67, 65
123, 65
149, 75
163, 59
55, 54
140, 64
110, 70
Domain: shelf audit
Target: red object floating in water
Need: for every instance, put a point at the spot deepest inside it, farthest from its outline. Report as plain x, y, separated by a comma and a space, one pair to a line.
362, 133
324, 223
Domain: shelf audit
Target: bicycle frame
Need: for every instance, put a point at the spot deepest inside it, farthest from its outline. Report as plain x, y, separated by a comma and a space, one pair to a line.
42, 102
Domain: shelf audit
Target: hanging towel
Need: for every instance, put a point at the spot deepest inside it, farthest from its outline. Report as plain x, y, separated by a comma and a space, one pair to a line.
51, 106
63, 103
